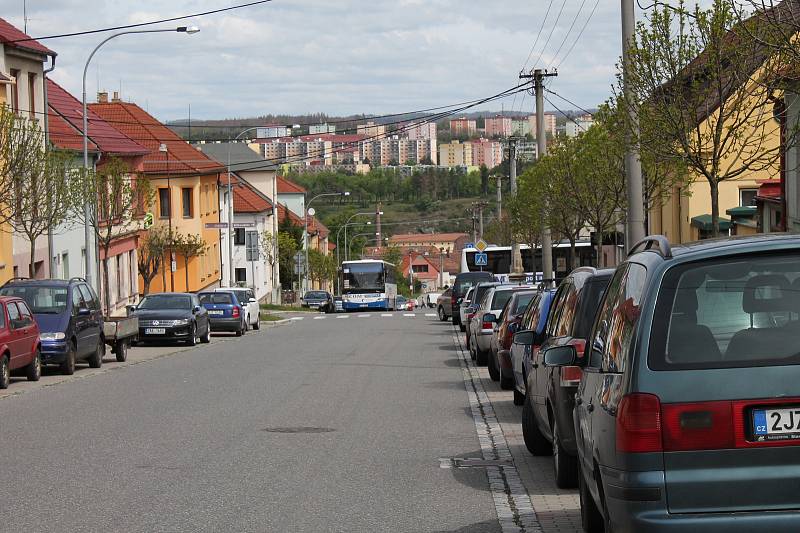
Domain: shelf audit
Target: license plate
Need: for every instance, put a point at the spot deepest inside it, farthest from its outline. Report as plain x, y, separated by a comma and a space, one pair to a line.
313, 305
155, 331
216, 312
364, 305
776, 424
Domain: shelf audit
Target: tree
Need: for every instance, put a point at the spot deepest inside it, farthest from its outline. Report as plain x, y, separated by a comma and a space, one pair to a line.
189, 246
117, 197
484, 180
34, 196
704, 95
321, 267
152, 247
287, 249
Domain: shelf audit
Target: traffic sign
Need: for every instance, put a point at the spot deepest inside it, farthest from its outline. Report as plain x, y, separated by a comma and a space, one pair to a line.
216, 225
481, 260
148, 220
481, 245
244, 224
469, 245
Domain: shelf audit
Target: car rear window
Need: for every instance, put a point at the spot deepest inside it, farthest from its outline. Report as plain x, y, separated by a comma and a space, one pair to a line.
728, 313
522, 301
500, 299
591, 296
215, 298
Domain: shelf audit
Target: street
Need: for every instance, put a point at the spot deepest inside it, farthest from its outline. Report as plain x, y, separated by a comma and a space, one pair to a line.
343, 423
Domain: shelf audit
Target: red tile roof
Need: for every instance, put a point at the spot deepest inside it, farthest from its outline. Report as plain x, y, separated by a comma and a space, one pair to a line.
246, 198
427, 237
137, 124
285, 187
315, 225
9, 33
294, 219
65, 122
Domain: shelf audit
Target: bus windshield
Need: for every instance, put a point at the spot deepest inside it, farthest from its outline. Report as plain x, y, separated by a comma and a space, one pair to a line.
367, 277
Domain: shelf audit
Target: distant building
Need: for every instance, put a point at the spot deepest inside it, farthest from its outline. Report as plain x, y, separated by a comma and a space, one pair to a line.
463, 126
455, 154
486, 152
527, 151
579, 125
426, 132
449, 242
273, 131
370, 129
498, 126
549, 124
321, 129
522, 127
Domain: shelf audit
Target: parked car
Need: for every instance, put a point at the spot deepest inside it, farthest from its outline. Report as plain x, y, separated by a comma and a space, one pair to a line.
500, 342
547, 412
338, 304
225, 312
69, 318
482, 324
250, 306
172, 316
462, 308
400, 303
463, 282
321, 300
535, 320
686, 413
478, 292
19, 341
431, 298
444, 305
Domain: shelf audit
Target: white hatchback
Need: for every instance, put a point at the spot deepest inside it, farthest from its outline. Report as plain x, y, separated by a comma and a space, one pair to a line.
247, 299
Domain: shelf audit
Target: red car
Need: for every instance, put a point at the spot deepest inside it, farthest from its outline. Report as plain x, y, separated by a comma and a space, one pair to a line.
19, 341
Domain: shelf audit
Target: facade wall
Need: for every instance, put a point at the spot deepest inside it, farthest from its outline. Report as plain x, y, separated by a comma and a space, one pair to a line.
498, 126
6, 241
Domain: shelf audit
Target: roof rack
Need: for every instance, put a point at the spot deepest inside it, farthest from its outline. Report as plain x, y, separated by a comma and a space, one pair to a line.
15, 278
652, 242
76, 278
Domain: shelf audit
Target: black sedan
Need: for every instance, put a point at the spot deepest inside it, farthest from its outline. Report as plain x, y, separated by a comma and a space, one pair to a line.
172, 316
321, 300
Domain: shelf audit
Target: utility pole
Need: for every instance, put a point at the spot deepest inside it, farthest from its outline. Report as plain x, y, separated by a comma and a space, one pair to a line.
634, 227
477, 216
499, 197
378, 213
516, 255
538, 77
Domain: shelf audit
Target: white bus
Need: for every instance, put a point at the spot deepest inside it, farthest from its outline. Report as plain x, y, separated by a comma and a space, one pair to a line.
499, 260
368, 284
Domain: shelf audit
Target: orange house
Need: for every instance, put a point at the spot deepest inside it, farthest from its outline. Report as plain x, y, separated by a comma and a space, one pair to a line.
186, 194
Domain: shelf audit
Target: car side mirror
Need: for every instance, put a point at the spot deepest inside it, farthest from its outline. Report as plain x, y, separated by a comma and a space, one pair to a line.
524, 338
84, 311
130, 309
196, 309
560, 356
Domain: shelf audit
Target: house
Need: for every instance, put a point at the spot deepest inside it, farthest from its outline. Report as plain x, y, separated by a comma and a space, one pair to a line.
186, 194
22, 62
105, 143
427, 267
292, 196
452, 243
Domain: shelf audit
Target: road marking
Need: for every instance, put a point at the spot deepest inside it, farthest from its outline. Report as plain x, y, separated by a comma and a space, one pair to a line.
412, 315
431, 314
297, 318
364, 316
387, 315
342, 317
319, 318
514, 507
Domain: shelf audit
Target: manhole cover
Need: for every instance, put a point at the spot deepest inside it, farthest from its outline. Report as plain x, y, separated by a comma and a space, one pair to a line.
298, 429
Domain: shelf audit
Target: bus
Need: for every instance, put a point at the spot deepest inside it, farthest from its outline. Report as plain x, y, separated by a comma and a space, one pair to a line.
499, 260
368, 284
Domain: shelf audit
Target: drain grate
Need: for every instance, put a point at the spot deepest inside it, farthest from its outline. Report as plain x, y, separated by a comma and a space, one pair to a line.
298, 429
471, 462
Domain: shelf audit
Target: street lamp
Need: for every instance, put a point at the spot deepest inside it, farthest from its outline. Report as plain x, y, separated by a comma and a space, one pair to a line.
305, 232
346, 223
87, 209
363, 235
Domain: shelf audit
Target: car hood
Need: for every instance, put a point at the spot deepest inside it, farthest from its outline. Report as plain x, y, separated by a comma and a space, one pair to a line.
162, 314
50, 323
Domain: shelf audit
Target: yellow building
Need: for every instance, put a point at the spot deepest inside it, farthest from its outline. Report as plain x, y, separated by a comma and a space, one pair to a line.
6, 241
455, 154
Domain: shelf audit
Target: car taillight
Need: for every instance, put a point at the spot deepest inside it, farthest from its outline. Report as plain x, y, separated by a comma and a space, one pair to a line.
487, 325
698, 426
453, 300
639, 424
235, 312
571, 376
580, 346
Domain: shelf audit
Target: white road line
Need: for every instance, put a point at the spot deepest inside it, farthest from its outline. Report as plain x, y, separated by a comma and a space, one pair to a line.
387, 315
319, 318
412, 315
431, 314
364, 316
342, 317
514, 508
297, 318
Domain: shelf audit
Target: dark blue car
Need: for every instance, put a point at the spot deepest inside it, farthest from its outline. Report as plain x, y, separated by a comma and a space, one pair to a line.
225, 313
70, 320
535, 320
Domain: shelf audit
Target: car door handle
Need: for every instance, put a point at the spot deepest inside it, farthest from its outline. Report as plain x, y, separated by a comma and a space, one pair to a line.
590, 407
578, 400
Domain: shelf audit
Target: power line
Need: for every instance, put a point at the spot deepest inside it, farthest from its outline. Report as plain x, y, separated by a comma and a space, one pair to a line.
569, 102
566, 36
140, 24
551, 33
565, 115
535, 42
578, 38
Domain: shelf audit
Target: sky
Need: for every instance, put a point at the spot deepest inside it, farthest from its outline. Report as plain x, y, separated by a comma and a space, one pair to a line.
331, 56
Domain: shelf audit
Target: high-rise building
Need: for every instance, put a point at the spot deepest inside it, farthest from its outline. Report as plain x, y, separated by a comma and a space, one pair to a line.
370, 129
321, 129
486, 152
549, 124
463, 126
579, 125
455, 154
498, 126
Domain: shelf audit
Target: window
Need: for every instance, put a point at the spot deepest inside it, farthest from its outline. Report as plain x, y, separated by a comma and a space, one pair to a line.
25, 313
133, 271
419, 268
15, 90
2, 318
251, 241
239, 236
163, 203
65, 265
13, 313
241, 275
747, 197
89, 297
187, 197
32, 95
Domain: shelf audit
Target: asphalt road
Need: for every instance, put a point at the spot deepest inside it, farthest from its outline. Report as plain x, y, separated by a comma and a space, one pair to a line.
319, 425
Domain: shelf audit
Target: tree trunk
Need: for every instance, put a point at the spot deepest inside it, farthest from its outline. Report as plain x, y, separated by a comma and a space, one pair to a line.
572, 254
32, 265
164, 277
186, 270
106, 288
146, 283
714, 207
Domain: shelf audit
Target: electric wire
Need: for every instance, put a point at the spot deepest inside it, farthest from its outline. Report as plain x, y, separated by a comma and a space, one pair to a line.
535, 42
555, 25
566, 35
565, 115
580, 34
570, 102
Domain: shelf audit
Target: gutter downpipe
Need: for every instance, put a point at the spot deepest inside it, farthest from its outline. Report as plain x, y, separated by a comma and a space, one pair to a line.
50, 261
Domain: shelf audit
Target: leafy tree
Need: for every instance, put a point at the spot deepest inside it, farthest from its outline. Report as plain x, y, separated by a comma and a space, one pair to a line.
322, 268
287, 249
152, 247
188, 246
484, 180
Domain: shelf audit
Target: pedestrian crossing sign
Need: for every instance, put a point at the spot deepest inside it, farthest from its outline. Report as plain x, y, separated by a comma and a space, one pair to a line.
481, 260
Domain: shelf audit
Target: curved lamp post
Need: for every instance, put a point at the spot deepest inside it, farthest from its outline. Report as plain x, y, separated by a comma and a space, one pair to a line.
305, 231
87, 209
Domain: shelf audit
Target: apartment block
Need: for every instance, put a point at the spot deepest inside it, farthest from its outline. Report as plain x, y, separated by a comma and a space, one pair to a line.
549, 124
486, 152
579, 125
455, 154
321, 129
370, 129
273, 131
522, 127
463, 126
498, 126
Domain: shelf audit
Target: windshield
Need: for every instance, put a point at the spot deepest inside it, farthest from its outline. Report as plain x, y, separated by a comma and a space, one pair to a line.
41, 300
362, 277
316, 295
166, 301
215, 298
522, 302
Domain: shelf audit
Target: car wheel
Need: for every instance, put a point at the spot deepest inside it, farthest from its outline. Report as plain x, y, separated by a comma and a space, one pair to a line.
591, 519
245, 327
206, 338
519, 398
34, 370
534, 440
5, 373
121, 351
257, 325
96, 360
240, 331
68, 366
481, 357
564, 464
442, 316
462, 327
494, 373
193, 335
506, 383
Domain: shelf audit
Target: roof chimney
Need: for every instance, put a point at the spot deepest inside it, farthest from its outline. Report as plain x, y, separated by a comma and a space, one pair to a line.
115, 98
102, 98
